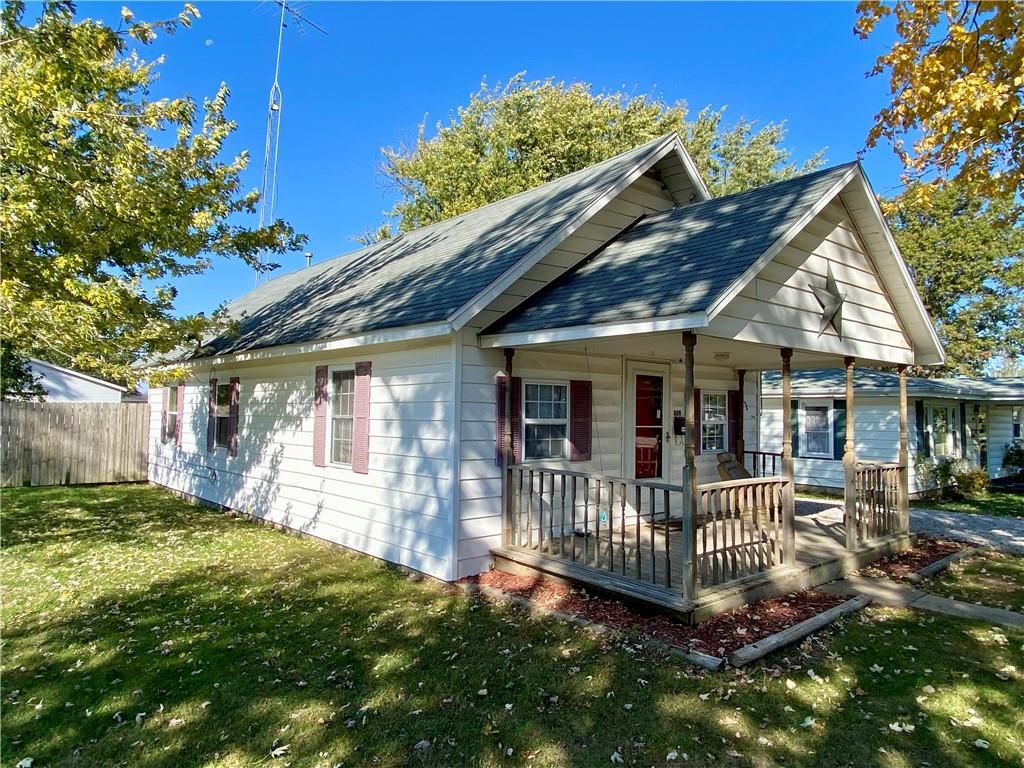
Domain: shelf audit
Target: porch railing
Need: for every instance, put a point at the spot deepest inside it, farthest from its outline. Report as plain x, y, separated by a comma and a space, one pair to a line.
742, 528
880, 509
648, 531
762, 463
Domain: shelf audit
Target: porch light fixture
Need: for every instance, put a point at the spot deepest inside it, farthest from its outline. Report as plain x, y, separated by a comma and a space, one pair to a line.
831, 301
722, 357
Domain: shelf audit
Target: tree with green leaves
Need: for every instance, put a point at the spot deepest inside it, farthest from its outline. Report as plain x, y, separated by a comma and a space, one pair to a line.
521, 134
107, 193
17, 381
967, 255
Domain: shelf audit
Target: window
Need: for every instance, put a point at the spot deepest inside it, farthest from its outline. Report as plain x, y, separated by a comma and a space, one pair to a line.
222, 413
171, 429
817, 424
713, 417
1016, 423
941, 426
546, 421
342, 412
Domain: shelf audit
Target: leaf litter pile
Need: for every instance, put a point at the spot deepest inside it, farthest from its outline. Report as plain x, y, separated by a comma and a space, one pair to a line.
717, 636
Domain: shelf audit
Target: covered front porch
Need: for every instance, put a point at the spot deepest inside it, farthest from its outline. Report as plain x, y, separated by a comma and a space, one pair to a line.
659, 527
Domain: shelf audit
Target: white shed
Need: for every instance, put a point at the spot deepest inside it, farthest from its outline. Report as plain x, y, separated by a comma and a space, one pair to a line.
64, 385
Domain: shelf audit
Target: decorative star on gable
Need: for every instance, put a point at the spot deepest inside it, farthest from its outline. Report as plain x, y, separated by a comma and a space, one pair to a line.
831, 301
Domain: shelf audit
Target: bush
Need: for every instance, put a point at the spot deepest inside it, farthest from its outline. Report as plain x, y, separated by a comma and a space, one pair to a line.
972, 481
1013, 458
947, 469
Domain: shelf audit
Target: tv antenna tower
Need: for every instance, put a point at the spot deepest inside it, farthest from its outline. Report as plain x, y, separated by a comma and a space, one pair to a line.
275, 103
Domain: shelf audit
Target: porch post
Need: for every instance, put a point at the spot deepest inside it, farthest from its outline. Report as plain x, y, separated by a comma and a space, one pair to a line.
508, 499
850, 461
738, 419
904, 492
789, 502
689, 531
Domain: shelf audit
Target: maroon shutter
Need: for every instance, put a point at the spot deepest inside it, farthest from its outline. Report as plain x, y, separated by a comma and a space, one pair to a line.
734, 415
233, 417
361, 420
180, 409
320, 416
499, 421
164, 394
517, 419
580, 423
696, 421
211, 423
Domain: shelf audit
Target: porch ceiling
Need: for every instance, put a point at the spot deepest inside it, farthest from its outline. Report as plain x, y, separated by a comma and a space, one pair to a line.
710, 351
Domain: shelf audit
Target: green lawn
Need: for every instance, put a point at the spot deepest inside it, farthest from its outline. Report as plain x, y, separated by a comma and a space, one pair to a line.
996, 503
139, 630
991, 578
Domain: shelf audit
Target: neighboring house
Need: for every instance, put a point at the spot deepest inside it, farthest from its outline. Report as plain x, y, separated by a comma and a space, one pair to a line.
64, 385
961, 418
364, 399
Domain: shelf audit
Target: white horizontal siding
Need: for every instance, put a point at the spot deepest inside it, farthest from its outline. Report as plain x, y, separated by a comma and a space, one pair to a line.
400, 511
779, 303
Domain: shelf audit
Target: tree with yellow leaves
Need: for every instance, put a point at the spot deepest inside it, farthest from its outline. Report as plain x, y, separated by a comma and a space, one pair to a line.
956, 74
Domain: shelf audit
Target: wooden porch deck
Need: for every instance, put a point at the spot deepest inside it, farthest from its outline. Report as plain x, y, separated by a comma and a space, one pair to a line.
614, 568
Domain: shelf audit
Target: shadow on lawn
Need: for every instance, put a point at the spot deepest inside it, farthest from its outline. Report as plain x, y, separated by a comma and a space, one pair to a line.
318, 634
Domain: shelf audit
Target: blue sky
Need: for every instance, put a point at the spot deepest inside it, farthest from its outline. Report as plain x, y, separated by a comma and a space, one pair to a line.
382, 68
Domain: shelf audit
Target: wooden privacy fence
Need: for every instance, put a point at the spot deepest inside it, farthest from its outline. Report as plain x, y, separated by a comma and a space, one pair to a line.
73, 443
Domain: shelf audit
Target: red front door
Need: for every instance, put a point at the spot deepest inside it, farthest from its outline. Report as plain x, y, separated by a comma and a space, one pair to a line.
649, 425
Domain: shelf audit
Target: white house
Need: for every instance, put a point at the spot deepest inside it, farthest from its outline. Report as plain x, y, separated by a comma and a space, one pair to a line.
364, 399
973, 419
63, 385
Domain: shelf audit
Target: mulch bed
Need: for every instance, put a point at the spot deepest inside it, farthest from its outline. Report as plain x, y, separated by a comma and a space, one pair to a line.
925, 552
717, 636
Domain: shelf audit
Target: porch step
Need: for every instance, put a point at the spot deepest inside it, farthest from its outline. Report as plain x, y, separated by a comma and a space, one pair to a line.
804, 575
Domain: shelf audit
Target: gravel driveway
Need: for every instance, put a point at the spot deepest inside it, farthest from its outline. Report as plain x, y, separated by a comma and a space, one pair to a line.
1003, 533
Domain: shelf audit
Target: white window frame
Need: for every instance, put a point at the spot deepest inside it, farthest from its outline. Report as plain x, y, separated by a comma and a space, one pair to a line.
217, 417
724, 421
952, 422
1016, 422
170, 430
566, 421
829, 407
329, 436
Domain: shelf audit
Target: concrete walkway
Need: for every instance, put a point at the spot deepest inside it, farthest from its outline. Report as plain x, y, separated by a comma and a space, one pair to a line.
888, 592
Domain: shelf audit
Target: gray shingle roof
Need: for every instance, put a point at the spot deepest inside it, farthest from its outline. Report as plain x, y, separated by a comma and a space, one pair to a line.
419, 277
674, 262
832, 381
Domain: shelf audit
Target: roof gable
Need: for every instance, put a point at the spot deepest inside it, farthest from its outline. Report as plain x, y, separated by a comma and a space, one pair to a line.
675, 263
